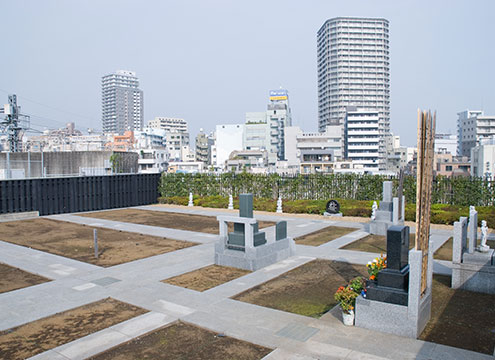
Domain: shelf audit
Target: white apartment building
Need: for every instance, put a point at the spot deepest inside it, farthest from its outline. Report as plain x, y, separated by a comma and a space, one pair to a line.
472, 127
446, 143
483, 159
229, 137
121, 102
362, 138
317, 152
169, 124
354, 70
177, 145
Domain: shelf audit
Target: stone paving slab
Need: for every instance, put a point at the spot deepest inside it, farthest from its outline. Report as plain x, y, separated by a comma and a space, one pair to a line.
42, 263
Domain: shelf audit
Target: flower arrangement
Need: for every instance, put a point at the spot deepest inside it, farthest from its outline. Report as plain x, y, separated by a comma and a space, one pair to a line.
376, 265
346, 297
357, 284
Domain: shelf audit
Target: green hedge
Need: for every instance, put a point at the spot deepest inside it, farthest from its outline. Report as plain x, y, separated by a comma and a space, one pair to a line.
440, 213
459, 191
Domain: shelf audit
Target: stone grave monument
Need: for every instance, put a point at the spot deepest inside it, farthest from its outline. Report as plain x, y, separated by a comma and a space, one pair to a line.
471, 270
400, 302
392, 284
395, 304
390, 211
247, 247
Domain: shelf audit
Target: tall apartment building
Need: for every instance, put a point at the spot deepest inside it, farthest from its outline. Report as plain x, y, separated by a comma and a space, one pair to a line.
279, 117
354, 70
362, 138
472, 128
121, 103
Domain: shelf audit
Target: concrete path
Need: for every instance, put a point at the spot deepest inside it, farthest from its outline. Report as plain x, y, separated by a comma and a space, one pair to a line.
139, 283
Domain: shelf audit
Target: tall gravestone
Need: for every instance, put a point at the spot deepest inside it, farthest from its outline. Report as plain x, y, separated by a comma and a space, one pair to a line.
393, 281
236, 238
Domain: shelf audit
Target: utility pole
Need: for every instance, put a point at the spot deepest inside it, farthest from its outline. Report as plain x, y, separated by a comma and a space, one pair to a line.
11, 125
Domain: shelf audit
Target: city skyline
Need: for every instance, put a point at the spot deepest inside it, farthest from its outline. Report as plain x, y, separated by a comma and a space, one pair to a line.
211, 62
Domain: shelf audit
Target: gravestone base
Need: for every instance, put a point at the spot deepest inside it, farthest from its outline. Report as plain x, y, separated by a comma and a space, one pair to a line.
396, 319
329, 214
392, 318
476, 272
254, 258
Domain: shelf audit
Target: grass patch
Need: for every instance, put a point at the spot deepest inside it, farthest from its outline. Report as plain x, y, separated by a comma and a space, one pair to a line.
75, 241
12, 278
207, 277
184, 341
374, 244
460, 318
323, 236
306, 290
444, 252
171, 220
41, 335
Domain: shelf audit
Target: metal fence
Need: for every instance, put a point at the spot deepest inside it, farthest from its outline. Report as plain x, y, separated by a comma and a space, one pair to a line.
74, 194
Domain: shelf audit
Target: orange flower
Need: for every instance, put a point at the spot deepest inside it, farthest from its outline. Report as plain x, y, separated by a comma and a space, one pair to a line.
372, 277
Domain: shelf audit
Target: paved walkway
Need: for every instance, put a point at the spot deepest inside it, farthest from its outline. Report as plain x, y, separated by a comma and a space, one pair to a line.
292, 336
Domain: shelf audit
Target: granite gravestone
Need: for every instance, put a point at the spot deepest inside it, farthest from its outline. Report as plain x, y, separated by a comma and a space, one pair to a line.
393, 281
236, 238
333, 207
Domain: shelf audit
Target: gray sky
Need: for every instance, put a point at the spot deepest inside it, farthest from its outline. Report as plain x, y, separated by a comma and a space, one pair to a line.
209, 62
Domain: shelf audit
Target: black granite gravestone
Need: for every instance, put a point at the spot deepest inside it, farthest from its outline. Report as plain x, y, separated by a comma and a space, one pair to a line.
236, 238
393, 281
333, 207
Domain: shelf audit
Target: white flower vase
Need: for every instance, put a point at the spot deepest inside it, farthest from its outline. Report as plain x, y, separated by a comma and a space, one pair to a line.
348, 318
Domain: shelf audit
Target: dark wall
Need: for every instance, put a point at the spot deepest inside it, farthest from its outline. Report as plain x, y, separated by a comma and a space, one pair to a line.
74, 194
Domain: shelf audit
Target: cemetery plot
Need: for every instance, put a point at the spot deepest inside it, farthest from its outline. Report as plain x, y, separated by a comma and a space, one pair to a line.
76, 241
445, 251
306, 290
323, 236
461, 318
12, 278
207, 277
374, 244
185, 341
41, 335
171, 220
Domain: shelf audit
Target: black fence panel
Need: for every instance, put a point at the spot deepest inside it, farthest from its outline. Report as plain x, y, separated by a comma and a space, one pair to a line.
74, 194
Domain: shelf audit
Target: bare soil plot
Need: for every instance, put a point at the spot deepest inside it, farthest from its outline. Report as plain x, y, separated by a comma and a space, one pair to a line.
374, 243
41, 335
323, 236
12, 278
207, 277
460, 318
171, 220
76, 241
184, 341
445, 251
306, 290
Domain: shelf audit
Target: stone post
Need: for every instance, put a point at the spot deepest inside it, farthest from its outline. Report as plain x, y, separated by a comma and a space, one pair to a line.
472, 229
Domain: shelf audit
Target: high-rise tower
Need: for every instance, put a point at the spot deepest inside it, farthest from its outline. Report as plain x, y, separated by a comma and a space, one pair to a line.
354, 70
121, 102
